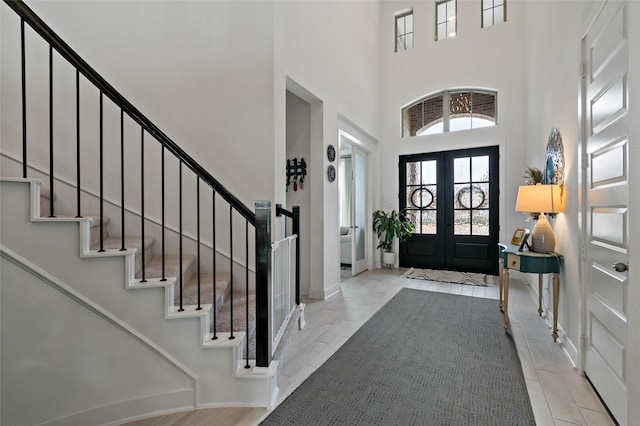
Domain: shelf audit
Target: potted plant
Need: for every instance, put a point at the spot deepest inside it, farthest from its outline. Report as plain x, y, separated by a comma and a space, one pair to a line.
390, 225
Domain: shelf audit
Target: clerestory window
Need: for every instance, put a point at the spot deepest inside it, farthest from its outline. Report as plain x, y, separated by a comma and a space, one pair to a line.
494, 12
404, 30
449, 111
446, 19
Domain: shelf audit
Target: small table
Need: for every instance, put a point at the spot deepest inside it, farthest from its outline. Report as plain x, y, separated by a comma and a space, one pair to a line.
528, 261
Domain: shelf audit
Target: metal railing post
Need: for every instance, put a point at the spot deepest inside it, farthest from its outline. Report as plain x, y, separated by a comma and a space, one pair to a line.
263, 285
295, 228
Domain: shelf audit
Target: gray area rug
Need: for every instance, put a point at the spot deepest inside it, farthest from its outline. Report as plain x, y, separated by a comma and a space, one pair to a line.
449, 276
424, 359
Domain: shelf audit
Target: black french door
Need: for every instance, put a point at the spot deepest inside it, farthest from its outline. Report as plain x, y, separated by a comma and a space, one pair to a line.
452, 198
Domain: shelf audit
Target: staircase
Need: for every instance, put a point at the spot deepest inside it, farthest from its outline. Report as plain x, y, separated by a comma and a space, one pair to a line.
127, 314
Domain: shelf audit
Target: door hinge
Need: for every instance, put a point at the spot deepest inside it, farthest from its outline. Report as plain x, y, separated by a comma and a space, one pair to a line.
585, 161
583, 70
584, 342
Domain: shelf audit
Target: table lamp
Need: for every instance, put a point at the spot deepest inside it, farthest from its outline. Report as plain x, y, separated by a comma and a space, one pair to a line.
541, 199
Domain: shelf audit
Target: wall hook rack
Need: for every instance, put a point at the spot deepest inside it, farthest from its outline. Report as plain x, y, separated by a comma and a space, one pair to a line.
296, 172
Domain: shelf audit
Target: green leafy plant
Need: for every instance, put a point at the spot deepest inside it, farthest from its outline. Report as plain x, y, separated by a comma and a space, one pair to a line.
389, 225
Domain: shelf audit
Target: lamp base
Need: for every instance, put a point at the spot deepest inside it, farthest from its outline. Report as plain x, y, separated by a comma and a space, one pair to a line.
543, 240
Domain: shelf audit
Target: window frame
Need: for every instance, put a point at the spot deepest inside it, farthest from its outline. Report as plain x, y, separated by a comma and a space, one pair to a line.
446, 21
446, 110
402, 14
493, 16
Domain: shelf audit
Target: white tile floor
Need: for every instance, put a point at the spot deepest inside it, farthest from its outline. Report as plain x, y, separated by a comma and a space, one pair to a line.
560, 395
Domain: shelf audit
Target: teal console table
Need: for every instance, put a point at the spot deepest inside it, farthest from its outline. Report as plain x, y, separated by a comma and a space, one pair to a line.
530, 262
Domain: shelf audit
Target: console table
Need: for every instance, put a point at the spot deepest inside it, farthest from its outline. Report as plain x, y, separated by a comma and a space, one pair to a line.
531, 262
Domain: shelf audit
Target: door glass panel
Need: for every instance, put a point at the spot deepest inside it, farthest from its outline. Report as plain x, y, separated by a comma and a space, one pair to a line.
461, 222
471, 195
421, 193
480, 222
461, 170
480, 168
360, 205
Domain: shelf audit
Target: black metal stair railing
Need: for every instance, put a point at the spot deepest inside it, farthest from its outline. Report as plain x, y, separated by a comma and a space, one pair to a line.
149, 132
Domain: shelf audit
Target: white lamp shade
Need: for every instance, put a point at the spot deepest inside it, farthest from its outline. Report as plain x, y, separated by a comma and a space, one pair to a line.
540, 199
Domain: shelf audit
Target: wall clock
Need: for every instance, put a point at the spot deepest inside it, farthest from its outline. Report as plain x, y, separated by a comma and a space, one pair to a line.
554, 161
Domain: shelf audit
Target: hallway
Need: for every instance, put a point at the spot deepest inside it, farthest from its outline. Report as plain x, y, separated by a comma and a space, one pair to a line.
560, 396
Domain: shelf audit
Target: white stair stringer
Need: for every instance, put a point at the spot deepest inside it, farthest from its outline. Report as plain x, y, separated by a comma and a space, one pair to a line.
221, 380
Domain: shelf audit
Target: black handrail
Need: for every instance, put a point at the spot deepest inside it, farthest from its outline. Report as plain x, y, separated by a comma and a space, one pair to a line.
81, 65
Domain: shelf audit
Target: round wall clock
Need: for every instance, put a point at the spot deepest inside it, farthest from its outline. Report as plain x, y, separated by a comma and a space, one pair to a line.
331, 153
554, 160
331, 173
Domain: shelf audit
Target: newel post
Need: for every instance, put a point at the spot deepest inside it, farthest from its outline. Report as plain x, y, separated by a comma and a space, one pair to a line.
295, 228
263, 283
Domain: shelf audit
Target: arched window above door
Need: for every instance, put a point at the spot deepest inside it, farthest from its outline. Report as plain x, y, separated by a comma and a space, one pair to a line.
450, 110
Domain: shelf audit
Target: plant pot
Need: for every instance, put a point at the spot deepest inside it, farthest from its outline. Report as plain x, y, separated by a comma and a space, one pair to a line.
388, 258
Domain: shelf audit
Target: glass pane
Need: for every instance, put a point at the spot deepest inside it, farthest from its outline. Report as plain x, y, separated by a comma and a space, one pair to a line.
442, 31
498, 2
360, 205
413, 173
414, 217
423, 197
451, 9
429, 223
480, 169
451, 28
461, 170
409, 41
409, 23
487, 4
429, 172
481, 195
465, 197
441, 13
461, 222
401, 44
487, 18
400, 25
480, 222
499, 15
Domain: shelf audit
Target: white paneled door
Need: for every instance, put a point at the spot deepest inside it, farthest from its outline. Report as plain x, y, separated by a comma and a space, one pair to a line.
605, 205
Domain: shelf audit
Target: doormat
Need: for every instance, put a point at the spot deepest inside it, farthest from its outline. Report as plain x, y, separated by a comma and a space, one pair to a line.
470, 278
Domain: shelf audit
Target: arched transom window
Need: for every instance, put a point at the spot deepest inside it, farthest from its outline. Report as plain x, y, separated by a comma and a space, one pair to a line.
449, 111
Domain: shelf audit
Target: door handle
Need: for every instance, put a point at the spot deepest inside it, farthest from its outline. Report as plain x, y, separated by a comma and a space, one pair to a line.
621, 267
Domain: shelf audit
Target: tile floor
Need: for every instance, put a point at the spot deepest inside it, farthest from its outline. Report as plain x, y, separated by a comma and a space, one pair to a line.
560, 395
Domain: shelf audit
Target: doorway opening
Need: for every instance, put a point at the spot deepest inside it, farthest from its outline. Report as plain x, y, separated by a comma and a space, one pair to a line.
452, 198
352, 180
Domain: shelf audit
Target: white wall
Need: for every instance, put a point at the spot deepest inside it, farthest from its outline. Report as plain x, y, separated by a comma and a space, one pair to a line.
490, 58
298, 146
203, 71
329, 50
552, 90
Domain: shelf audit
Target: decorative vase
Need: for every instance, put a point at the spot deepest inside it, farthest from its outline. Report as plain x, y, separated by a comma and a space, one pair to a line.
542, 239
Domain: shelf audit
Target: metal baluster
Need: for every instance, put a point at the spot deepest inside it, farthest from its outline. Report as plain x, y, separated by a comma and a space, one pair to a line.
198, 236
231, 269
143, 280
79, 214
246, 278
122, 247
180, 233
24, 100
101, 175
215, 300
164, 278
51, 212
